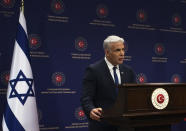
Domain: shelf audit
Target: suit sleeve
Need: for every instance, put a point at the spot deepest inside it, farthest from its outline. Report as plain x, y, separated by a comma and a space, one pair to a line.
88, 91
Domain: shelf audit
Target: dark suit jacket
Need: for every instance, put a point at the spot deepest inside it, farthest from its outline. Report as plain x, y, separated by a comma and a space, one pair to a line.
99, 88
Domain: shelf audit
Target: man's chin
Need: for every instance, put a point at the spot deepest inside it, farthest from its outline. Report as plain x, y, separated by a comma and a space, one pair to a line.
120, 62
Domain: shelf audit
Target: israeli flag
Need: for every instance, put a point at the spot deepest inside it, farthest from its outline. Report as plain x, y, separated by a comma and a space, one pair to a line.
21, 111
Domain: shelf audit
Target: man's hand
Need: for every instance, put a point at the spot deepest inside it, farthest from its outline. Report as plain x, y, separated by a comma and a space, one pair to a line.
96, 114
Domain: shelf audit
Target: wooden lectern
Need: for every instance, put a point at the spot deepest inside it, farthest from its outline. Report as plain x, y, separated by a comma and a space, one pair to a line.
148, 107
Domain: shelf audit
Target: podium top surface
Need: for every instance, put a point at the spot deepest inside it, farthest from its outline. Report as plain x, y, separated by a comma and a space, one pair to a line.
154, 85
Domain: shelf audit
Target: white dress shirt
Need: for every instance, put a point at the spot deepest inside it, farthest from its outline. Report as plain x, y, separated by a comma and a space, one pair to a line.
110, 66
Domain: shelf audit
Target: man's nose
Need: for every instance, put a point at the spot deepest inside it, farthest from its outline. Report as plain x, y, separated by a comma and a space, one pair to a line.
122, 52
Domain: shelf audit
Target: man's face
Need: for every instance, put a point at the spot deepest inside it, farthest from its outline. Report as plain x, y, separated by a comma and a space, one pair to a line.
115, 53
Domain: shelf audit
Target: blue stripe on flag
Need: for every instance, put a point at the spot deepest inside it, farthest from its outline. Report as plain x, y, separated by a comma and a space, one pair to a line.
11, 121
22, 40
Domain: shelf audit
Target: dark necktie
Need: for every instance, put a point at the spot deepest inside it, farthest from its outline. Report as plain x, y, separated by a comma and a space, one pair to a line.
115, 76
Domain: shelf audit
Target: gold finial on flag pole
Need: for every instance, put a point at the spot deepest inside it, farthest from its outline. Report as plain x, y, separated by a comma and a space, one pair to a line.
22, 6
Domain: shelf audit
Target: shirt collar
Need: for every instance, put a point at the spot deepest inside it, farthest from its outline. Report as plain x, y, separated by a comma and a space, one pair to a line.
110, 66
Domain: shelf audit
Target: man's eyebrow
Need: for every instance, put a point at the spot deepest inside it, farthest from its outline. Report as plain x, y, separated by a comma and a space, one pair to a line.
118, 49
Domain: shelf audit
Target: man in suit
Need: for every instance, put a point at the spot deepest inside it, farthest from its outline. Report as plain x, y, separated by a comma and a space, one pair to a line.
100, 80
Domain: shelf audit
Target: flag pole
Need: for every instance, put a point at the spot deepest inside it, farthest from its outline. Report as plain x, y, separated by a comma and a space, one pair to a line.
22, 6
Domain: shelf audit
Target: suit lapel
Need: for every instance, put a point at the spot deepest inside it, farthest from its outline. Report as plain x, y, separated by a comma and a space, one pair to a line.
107, 72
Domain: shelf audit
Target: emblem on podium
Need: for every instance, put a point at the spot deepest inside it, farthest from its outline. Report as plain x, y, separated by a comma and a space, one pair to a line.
160, 98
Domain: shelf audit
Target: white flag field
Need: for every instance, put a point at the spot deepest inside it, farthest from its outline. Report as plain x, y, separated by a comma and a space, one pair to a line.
21, 111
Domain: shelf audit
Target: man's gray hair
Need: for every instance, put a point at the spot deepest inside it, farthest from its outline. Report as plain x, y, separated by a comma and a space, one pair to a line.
111, 39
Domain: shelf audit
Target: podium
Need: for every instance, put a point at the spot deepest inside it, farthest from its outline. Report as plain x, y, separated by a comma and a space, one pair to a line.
148, 107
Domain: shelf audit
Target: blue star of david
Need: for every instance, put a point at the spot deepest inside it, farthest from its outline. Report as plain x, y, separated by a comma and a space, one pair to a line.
22, 97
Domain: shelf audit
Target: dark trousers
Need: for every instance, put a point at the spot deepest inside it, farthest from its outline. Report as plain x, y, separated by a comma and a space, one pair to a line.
100, 126
103, 126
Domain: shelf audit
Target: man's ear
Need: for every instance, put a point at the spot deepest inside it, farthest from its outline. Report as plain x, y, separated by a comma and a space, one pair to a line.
106, 52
